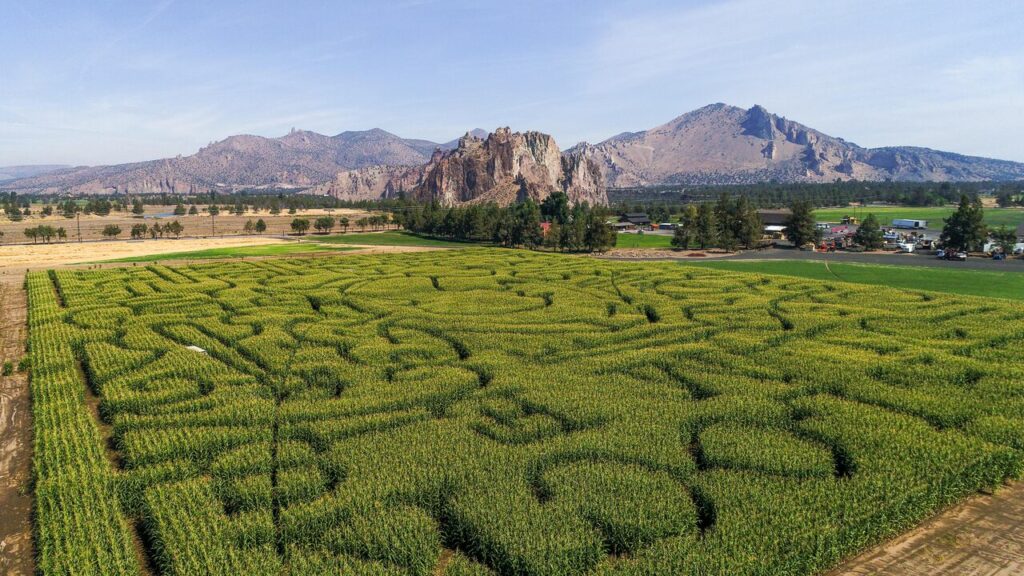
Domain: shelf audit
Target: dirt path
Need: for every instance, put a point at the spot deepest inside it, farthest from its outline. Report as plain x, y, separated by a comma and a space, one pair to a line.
15, 434
981, 537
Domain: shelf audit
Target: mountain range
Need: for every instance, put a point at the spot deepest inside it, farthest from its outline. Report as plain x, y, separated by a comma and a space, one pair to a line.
298, 159
716, 144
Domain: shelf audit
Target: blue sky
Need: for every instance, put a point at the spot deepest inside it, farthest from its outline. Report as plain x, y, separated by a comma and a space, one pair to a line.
110, 81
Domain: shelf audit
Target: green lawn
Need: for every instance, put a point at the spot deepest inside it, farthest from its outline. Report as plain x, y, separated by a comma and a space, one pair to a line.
236, 252
1008, 217
643, 241
393, 238
938, 279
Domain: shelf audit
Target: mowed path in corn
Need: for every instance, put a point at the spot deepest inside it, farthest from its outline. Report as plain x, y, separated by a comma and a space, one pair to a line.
15, 434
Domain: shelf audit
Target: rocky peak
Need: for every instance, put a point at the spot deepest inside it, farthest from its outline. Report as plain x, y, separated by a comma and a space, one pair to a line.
508, 166
759, 123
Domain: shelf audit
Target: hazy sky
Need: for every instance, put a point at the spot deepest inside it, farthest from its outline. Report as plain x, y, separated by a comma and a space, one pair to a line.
109, 81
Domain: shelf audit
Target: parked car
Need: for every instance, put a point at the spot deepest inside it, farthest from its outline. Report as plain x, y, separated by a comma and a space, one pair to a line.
958, 256
940, 254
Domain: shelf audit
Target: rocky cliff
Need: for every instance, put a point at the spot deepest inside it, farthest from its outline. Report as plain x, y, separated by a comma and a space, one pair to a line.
502, 167
507, 167
721, 144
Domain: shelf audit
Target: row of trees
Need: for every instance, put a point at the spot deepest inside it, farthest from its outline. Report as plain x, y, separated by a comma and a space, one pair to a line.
729, 223
155, 231
45, 233
325, 224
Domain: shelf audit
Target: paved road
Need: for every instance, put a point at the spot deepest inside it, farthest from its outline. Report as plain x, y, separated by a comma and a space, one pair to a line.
1013, 265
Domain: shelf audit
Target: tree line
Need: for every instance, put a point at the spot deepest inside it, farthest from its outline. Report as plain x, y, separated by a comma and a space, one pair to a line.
578, 228
662, 202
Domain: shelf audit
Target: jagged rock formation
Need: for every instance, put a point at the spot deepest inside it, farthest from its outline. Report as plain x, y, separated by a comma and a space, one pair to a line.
502, 167
507, 167
298, 159
721, 144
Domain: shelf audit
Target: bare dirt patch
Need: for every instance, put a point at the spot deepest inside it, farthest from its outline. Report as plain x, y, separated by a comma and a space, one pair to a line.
15, 435
983, 536
49, 255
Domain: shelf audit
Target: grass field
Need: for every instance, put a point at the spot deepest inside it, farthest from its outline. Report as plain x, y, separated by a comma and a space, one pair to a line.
938, 279
393, 238
236, 252
503, 412
643, 241
1009, 217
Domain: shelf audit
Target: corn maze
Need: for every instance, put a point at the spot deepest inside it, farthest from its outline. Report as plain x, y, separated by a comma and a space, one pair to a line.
502, 412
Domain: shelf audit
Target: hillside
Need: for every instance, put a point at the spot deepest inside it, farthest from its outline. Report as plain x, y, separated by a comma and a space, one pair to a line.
722, 144
298, 159
15, 172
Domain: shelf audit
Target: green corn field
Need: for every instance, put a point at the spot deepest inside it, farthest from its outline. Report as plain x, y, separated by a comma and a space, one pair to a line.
503, 412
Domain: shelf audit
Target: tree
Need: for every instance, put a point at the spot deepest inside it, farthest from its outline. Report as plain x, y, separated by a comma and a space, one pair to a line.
175, 228
1005, 238
363, 222
249, 226
747, 227
324, 224
600, 235
343, 222
111, 231
555, 208
137, 208
193, 210
156, 230
2, 236
62, 234
300, 225
213, 210
32, 233
800, 225
179, 210
869, 234
261, 226
686, 229
965, 229
706, 227
725, 210
138, 231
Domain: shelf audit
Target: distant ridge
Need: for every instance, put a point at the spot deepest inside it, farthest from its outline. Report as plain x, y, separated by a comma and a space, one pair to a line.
722, 144
296, 160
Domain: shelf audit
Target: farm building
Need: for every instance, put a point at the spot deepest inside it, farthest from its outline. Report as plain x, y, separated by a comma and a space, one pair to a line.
909, 224
635, 221
774, 221
774, 217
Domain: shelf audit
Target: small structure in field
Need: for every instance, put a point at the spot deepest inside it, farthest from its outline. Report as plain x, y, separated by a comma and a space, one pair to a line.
195, 348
